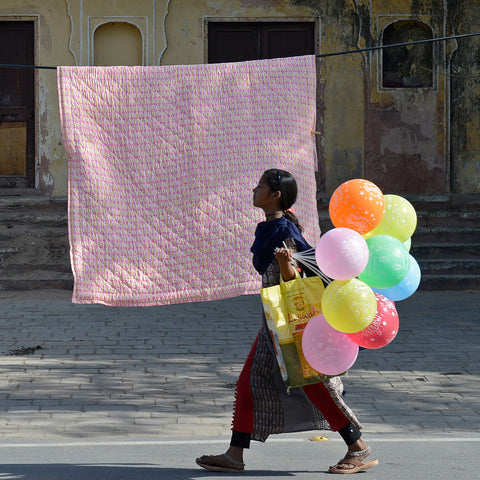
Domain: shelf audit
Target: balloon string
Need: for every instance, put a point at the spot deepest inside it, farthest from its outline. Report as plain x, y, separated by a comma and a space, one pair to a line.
307, 257
314, 268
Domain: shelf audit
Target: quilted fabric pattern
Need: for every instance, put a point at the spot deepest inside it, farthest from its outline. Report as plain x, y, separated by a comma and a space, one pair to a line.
162, 163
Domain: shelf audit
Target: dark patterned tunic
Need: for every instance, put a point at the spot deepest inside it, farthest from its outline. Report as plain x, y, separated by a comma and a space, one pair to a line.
263, 404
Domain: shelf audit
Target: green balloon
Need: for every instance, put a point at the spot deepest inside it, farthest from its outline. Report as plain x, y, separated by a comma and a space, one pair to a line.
388, 262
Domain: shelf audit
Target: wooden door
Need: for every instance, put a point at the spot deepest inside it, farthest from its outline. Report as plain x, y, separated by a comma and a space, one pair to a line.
241, 41
17, 127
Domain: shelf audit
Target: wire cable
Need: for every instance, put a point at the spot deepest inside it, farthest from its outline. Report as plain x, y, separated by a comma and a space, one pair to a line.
319, 55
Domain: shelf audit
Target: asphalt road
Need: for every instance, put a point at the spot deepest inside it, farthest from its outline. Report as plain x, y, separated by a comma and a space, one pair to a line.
283, 457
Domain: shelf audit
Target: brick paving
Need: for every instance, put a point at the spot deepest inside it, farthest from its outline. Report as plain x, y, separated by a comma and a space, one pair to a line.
73, 371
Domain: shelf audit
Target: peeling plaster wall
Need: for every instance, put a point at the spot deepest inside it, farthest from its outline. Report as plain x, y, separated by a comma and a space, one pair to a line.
406, 141
87, 15
414, 140
341, 110
464, 17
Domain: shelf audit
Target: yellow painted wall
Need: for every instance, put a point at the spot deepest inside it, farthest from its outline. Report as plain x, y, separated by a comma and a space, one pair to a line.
65, 35
173, 32
344, 126
186, 23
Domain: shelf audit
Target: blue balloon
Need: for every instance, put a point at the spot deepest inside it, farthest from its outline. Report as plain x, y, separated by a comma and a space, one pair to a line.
406, 287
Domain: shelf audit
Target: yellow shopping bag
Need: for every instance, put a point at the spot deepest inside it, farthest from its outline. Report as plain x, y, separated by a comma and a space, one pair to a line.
288, 308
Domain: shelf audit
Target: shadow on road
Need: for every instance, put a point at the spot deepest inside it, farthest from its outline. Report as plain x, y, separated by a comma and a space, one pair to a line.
65, 471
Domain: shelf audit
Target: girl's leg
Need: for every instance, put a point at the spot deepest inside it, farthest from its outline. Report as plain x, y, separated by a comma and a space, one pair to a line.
321, 398
232, 459
358, 449
243, 407
238, 443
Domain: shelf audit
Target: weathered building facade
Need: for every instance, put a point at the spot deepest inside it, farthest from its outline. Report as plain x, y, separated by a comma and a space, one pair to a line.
406, 118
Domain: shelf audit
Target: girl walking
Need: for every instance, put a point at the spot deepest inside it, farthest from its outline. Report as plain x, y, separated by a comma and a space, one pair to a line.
262, 404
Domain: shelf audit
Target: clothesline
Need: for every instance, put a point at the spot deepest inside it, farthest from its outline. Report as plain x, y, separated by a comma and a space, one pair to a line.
320, 55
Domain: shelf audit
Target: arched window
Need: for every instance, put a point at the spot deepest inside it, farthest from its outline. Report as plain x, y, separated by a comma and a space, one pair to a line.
117, 43
408, 66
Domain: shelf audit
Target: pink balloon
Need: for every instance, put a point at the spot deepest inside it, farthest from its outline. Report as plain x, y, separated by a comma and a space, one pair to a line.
383, 329
341, 253
327, 350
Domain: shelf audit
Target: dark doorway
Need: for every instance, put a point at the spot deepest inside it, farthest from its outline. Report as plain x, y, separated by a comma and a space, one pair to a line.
241, 41
17, 106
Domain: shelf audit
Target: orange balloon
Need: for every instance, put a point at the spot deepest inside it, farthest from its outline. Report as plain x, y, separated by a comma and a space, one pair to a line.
357, 204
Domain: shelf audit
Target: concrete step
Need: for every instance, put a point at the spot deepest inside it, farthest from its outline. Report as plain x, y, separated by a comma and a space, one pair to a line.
445, 201
34, 246
46, 219
432, 212
425, 235
35, 252
437, 202
456, 218
43, 283
27, 271
445, 250
35, 210
447, 266
450, 282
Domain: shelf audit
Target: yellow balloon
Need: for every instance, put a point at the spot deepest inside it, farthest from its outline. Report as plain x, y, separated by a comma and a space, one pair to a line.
349, 306
399, 219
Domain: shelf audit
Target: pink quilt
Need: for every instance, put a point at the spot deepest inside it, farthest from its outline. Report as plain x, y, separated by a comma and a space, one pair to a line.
162, 163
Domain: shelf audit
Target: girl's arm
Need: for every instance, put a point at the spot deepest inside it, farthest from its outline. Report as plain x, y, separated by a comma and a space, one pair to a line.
287, 270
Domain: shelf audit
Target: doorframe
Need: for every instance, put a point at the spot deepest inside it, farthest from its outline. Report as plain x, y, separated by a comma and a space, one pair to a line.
213, 19
35, 18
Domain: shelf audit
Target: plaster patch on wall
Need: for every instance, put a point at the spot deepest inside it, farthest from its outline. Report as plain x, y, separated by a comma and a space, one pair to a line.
46, 139
473, 134
254, 3
214, 7
398, 140
47, 179
164, 33
185, 30
71, 32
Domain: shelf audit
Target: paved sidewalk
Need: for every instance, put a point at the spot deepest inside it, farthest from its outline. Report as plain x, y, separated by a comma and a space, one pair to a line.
72, 371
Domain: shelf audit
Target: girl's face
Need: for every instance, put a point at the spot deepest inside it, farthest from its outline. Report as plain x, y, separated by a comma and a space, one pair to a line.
264, 197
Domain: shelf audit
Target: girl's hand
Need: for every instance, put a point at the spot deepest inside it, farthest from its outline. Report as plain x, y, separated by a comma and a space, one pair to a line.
283, 257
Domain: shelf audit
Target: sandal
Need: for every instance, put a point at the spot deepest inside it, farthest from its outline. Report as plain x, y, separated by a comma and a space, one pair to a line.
220, 463
352, 462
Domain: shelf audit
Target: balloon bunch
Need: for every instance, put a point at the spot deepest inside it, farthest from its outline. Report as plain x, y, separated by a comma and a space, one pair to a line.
367, 258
